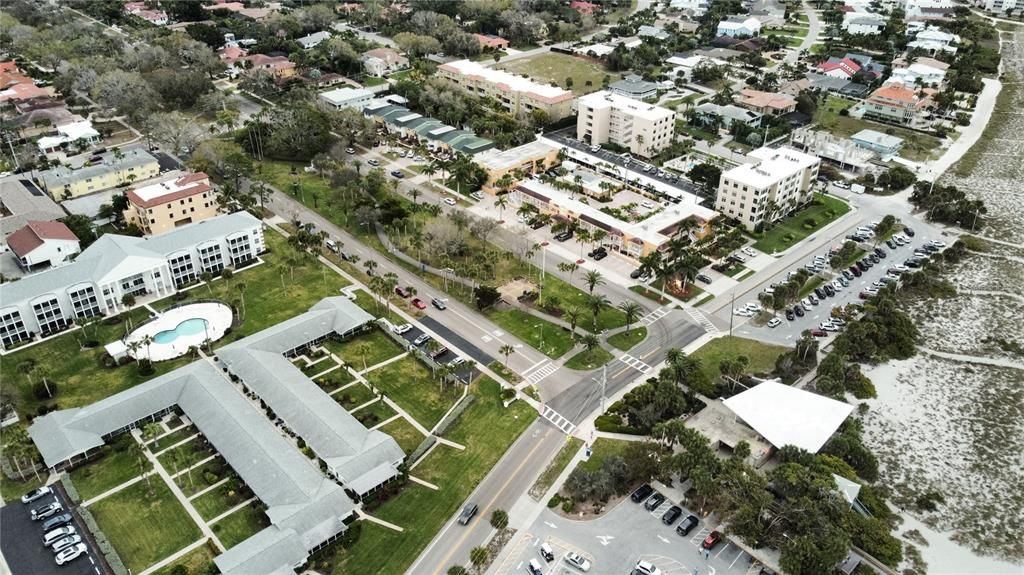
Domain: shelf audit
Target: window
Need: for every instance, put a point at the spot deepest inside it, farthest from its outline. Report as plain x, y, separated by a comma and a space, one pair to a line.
84, 302
182, 270
49, 315
12, 328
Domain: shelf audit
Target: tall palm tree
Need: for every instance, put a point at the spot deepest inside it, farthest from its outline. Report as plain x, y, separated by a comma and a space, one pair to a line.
593, 279
569, 268
501, 203
596, 303
583, 237
632, 311
506, 350
148, 341
590, 342
572, 314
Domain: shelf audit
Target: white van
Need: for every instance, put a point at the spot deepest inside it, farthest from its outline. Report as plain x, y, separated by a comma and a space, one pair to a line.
547, 552
332, 245
534, 568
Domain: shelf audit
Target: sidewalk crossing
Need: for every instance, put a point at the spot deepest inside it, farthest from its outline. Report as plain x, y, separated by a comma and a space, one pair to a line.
634, 363
702, 320
560, 422
546, 369
654, 316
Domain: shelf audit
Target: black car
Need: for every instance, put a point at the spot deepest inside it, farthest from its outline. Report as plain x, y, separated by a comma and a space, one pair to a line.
789, 315
862, 266
467, 513
912, 263
799, 311
909, 232
600, 256
536, 224
641, 493
635, 273
848, 274
874, 258
56, 521
855, 270
654, 501
819, 292
829, 290
671, 515
597, 251
687, 525
703, 278
892, 245
563, 236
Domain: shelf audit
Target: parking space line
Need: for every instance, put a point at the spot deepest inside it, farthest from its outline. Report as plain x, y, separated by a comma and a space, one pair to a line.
740, 554
722, 550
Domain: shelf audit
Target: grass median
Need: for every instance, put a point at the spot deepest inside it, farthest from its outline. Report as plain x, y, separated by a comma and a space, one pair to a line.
761, 356
793, 229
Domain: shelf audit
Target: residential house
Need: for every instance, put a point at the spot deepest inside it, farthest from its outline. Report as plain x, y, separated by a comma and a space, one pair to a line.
78, 133
43, 244
491, 42
656, 32
863, 23
692, 8
635, 87
645, 129
868, 65
342, 98
155, 17
928, 9
280, 67
684, 65
171, 202
739, 26
313, 40
518, 94
434, 133
843, 68
920, 73
1001, 6
765, 191
766, 103
933, 40
730, 114
257, 14
884, 145
21, 202
382, 61
897, 104
17, 87
113, 168
231, 54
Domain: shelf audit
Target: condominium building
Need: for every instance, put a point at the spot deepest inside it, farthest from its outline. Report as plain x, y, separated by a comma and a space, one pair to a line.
606, 117
517, 94
114, 266
1003, 6
170, 203
342, 98
101, 172
767, 189
897, 104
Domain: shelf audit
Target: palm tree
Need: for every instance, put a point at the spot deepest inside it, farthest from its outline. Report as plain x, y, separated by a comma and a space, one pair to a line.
506, 350
572, 314
478, 556
583, 237
596, 303
370, 265
362, 349
134, 347
590, 342
430, 170
501, 203
632, 311
569, 268
148, 341
593, 279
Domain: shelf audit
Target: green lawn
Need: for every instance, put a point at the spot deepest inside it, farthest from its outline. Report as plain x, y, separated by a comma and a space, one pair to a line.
353, 396
374, 413
219, 500
487, 430
367, 349
370, 305
241, 525
602, 449
552, 67
916, 146
587, 360
165, 441
185, 455
411, 385
555, 468
609, 318
625, 340
647, 293
199, 561
119, 463
762, 356
790, 231
548, 338
407, 436
809, 286
145, 524
369, 81
192, 482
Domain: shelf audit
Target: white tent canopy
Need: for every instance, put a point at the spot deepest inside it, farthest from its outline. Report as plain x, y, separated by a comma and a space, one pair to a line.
785, 415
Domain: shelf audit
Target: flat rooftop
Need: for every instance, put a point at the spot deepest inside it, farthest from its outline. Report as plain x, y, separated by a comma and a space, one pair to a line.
513, 157
775, 165
508, 80
605, 99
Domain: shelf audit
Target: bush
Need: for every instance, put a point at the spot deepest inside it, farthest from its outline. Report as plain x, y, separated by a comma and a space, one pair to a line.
508, 393
568, 505
555, 501
90, 344
146, 368
210, 477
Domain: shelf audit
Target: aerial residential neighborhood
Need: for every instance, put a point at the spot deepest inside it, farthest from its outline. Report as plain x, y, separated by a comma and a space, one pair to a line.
638, 287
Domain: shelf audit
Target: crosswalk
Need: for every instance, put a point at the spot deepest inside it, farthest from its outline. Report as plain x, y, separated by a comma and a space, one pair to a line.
560, 422
702, 320
654, 316
634, 363
546, 369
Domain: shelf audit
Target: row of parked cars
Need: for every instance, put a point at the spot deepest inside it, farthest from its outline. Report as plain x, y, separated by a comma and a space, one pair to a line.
652, 499
59, 533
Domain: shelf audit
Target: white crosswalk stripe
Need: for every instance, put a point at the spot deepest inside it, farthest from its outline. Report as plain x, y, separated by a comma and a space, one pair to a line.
540, 373
560, 422
654, 316
634, 363
702, 320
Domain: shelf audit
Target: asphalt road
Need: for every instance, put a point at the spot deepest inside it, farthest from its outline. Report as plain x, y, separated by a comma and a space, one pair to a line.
500, 489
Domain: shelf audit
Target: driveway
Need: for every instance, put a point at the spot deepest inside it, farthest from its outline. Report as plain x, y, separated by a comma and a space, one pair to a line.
616, 541
22, 541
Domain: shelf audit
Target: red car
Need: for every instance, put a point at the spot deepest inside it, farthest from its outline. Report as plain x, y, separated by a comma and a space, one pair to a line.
713, 538
819, 333
418, 303
401, 292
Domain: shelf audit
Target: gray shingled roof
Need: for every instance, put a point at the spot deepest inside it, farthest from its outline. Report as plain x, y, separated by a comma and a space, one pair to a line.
25, 202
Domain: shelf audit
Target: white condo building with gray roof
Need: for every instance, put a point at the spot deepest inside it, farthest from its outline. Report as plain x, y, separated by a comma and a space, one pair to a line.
307, 510
99, 278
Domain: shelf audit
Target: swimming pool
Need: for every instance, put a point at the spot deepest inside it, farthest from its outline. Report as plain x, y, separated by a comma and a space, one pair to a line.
191, 326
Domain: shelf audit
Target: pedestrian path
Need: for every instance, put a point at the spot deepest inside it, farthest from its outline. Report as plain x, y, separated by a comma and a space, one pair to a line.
546, 369
701, 320
634, 363
174, 557
654, 316
560, 422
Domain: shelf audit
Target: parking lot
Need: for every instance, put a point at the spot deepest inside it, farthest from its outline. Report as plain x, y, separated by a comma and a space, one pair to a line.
465, 372
614, 543
22, 541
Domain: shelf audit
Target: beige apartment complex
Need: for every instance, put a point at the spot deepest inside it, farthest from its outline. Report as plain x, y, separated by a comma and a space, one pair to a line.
518, 94
768, 189
164, 205
605, 117
110, 169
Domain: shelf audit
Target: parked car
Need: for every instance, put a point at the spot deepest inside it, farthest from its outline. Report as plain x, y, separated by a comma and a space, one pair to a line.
713, 538
819, 333
418, 303
57, 521
401, 292
547, 552
790, 316
594, 252
44, 511
576, 560
829, 290
670, 516
798, 310
422, 339
397, 174
749, 251
438, 303
400, 329
600, 255
636, 273
654, 501
36, 494
66, 542
703, 278
687, 525
350, 150
909, 232
774, 322
467, 513
440, 351
70, 554
563, 236
450, 201
645, 568
641, 493
855, 271
819, 293
373, 162
813, 298
55, 535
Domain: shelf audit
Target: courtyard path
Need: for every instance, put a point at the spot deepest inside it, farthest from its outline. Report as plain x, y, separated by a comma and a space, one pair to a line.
173, 557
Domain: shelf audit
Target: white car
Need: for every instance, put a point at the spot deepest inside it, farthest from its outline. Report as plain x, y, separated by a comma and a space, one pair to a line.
450, 201
769, 290
57, 534
754, 306
750, 252
71, 553
836, 285
774, 322
647, 205
738, 258
66, 542
36, 494
400, 329
645, 568
743, 312
577, 561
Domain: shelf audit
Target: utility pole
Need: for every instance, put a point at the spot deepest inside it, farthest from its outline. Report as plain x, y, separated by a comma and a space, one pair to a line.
732, 313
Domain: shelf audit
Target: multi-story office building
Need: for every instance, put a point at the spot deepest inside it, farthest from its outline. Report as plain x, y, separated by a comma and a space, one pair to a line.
161, 206
114, 266
518, 94
606, 117
768, 189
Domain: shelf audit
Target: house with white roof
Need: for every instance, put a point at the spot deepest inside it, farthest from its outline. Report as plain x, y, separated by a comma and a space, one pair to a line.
693, 8
342, 98
655, 32
863, 23
934, 40
313, 40
786, 415
79, 132
739, 27
918, 73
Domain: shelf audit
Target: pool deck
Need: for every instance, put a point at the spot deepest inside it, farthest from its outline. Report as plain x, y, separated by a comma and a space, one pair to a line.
218, 319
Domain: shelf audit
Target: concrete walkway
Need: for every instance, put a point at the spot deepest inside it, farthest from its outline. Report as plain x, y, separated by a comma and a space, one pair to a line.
174, 557
372, 519
110, 492
383, 363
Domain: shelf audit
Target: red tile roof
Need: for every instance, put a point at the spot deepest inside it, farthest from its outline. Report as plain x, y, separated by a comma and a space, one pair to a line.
185, 192
847, 65
30, 237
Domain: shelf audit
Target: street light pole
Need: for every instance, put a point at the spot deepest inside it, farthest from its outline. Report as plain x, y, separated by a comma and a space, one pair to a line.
731, 312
